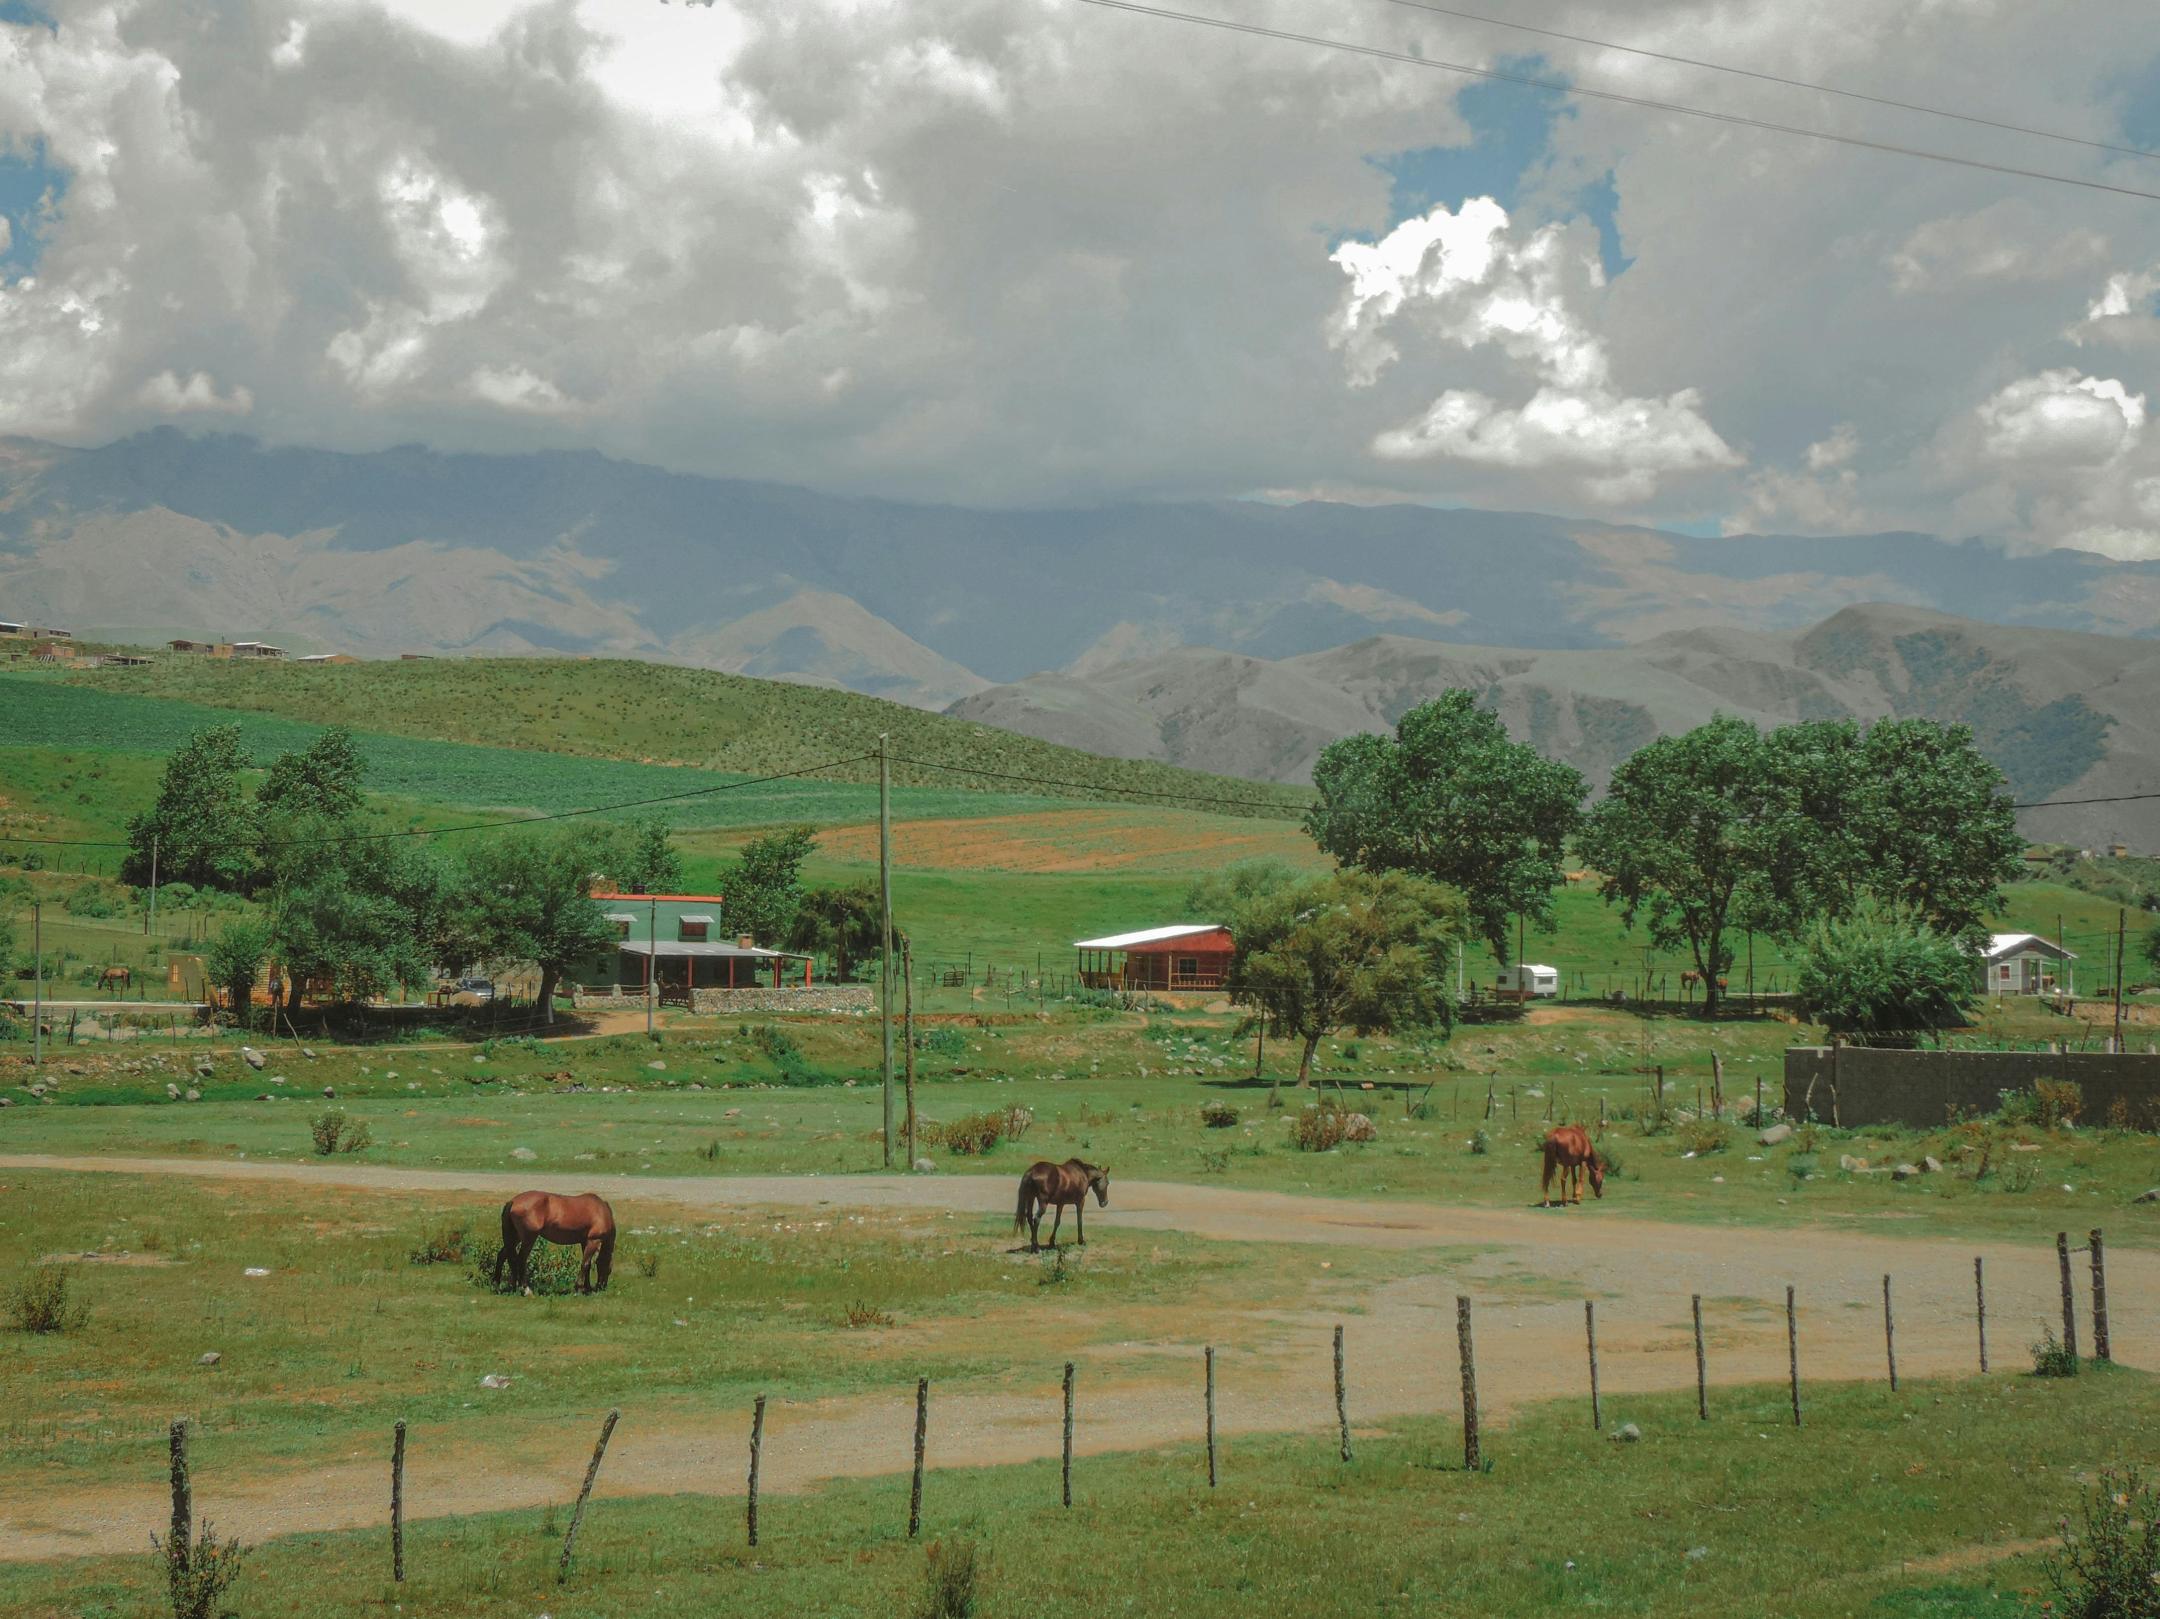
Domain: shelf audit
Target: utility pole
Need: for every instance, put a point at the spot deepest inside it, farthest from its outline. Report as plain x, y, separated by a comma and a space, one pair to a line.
884, 859
2122, 917
150, 918
37, 1003
652, 961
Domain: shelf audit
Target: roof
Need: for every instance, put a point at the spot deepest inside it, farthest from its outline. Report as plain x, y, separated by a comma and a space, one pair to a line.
700, 917
2016, 944
1125, 941
666, 899
685, 947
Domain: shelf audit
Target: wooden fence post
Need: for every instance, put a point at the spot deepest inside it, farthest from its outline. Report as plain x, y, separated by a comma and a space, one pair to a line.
1342, 1397
179, 1546
1792, 1350
2099, 1304
1601, 1113
2069, 1294
757, 1459
1702, 1384
1473, 1459
1068, 1431
922, 1428
577, 1513
1980, 1309
397, 1503
1889, 1334
1589, 1316
1717, 1087
1210, 1356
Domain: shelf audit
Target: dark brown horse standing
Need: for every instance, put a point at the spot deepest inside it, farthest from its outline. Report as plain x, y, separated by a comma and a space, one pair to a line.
1054, 1186
1568, 1149
584, 1221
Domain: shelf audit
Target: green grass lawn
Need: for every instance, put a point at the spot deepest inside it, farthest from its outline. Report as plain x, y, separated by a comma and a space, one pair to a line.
1933, 1503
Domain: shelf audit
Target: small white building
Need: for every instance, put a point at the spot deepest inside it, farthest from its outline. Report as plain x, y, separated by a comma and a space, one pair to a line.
1529, 980
2026, 964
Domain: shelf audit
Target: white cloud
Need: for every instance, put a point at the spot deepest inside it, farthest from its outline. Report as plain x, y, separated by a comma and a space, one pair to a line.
515, 388
2062, 418
2005, 242
166, 394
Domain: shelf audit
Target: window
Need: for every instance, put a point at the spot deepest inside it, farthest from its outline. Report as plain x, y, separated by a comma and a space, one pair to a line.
1188, 966
694, 928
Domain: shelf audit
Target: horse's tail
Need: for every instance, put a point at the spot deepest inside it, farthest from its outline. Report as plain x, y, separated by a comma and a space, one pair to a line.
1020, 1210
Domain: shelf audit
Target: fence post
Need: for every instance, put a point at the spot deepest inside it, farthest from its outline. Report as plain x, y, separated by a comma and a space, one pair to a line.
1342, 1396
577, 1513
2069, 1294
1068, 1431
757, 1458
922, 1426
1889, 1334
1792, 1350
1589, 1316
2099, 1304
1980, 1309
1472, 1458
179, 1550
1717, 1087
1702, 1385
397, 1503
1601, 1113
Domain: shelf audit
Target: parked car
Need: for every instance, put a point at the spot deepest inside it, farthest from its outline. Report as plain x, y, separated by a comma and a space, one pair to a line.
477, 991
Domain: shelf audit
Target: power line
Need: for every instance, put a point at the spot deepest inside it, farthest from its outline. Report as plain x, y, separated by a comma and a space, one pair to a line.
1562, 86
1275, 806
1776, 78
2061, 803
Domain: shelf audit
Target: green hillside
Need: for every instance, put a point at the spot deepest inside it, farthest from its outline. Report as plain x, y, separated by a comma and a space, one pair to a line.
652, 714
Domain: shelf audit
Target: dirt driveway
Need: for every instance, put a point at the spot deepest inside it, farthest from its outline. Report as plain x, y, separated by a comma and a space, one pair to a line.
1531, 1272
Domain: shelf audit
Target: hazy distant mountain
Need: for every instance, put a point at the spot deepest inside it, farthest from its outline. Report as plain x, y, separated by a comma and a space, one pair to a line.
2065, 714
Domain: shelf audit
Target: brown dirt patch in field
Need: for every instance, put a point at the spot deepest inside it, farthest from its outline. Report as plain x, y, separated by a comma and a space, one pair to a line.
1077, 840
133, 1260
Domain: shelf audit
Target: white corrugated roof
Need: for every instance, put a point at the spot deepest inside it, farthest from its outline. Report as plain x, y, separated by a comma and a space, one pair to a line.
2010, 944
700, 948
1125, 941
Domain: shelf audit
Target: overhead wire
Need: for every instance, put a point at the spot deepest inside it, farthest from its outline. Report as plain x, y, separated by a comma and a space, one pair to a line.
1567, 87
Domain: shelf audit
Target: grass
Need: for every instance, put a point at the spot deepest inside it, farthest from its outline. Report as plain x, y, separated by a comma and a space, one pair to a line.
1930, 1504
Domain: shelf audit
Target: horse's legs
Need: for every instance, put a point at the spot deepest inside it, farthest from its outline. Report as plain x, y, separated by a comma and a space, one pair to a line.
1035, 1226
1080, 1219
592, 1252
1057, 1219
521, 1261
1545, 1184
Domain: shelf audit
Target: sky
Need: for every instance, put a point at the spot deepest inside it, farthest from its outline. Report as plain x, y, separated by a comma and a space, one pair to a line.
1025, 252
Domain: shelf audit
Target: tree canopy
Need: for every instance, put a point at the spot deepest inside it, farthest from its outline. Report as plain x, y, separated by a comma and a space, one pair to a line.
527, 898
203, 823
650, 863
845, 925
762, 887
1883, 971
1450, 798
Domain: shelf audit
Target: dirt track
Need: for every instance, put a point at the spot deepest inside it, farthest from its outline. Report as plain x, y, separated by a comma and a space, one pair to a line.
1532, 1271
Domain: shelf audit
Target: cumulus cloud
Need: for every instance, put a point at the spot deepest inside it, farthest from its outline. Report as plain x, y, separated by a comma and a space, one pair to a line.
167, 394
2061, 418
2005, 242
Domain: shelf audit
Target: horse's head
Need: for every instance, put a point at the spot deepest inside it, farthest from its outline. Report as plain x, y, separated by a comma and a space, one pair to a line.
1099, 1184
1597, 1173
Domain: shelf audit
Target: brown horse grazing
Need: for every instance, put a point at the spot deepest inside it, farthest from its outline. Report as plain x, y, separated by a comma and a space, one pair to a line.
1568, 1149
1053, 1186
113, 975
584, 1221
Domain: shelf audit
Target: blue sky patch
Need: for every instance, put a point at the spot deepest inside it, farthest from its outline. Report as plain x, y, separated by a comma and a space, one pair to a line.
1511, 129
30, 190
24, 15
2140, 104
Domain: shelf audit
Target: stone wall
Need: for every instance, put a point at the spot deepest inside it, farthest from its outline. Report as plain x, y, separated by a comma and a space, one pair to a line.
787, 998
1928, 1088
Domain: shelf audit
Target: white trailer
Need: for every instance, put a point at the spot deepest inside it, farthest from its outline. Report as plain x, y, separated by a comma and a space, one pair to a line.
1528, 981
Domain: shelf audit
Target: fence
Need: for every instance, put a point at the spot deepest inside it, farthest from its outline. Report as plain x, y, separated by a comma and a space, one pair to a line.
1476, 1452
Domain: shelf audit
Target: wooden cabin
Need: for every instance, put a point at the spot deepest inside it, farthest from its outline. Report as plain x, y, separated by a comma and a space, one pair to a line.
1184, 956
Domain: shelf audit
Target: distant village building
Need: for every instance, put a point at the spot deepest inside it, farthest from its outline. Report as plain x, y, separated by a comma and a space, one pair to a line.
327, 657
2026, 964
256, 649
1183, 956
33, 632
123, 660
208, 649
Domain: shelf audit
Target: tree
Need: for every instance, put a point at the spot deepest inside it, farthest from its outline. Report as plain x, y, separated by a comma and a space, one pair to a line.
527, 898
763, 887
847, 925
1884, 971
1356, 950
362, 918
323, 779
1451, 799
2152, 947
234, 961
1936, 828
202, 823
1699, 836
650, 863
1224, 895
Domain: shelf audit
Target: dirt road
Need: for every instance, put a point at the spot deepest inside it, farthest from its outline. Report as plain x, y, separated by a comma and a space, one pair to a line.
1531, 1273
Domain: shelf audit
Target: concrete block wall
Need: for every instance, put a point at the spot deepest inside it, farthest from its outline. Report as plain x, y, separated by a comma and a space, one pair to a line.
1866, 1085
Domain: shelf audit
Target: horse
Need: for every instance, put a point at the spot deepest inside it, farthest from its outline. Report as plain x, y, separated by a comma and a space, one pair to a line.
1053, 1186
113, 975
584, 1221
1568, 1149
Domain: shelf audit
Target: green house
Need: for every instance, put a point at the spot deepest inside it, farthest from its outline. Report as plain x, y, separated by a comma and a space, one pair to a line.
676, 941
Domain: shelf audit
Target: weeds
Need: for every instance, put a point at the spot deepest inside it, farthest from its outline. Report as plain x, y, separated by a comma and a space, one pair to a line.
1320, 1126
710, 1152
1480, 1143
335, 1133
2110, 1568
648, 1263
2057, 1103
199, 1577
551, 1271
952, 1571
974, 1134
1213, 1163
1703, 1138
1057, 1273
863, 1315
2053, 1358
444, 1245
1218, 1115
42, 1300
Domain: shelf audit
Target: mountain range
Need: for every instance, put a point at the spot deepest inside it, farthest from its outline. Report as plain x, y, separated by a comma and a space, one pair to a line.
1235, 636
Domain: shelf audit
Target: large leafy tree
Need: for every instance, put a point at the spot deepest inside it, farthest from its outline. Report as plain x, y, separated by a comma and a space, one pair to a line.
1884, 972
234, 960
322, 779
1935, 828
364, 917
763, 885
1357, 950
650, 861
526, 898
845, 925
1452, 799
203, 823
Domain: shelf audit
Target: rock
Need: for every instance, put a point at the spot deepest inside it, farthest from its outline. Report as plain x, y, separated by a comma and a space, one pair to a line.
1626, 1434
330, 1091
206, 1068
172, 1091
1357, 1127
76, 1068
1931, 1165
494, 1380
255, 1270
308, 1052
264, 1097
277, 1079
38, 1090
252, 1057
523, 1154
1904, 1172
1697, 1553
656, 1066
7, 1101
2151, 1194
924, 1166
1850, 1164
193, 1095
1775, 1134
209, 1358
2024, 1146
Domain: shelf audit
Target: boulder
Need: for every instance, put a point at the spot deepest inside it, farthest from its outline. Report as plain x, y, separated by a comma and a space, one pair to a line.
2151, 1194
1626, 1434
1931, 1165
1904, 1172
206, 1068
656, 1066
39, 1090
330, 1091
308, 1052
1775, 1134
252, 1057
172, 1091
1850, 1164
523, 1155
494, 1380
1357, 1127
924, 1166
208, 1358
193, 1095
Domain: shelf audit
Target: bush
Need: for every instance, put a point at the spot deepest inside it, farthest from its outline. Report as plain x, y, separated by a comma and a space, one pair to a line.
941, 1042
198, 1584
860, 1314
1800, 1166
551, 1271
2111, 1569
1320, 1126
2057, 1103
648, 1263
42, 1301
976, 1133
1218, 1115
952, 1570
1883, 971
2052, 1357
334, 1132
93, 900
1703, 1138
1480, 1143
444, 1245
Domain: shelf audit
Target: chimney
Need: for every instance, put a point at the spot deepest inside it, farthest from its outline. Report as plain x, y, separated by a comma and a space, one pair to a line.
745, 942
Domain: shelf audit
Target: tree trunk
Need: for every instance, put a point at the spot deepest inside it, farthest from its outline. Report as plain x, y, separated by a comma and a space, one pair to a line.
1711, 996
547, 994
1304, 1067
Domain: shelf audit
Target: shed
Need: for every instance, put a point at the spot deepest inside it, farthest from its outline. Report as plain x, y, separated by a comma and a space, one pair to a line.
2026, 964
1181, 956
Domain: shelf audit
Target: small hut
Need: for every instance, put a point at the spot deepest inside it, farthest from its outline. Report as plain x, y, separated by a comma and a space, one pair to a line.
1183, 956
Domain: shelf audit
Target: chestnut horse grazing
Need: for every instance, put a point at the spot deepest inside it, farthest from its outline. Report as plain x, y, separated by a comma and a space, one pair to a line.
1053, 1186
584, 1221
113, 975
1568, 1149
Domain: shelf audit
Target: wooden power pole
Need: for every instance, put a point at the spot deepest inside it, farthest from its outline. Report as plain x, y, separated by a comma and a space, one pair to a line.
2122, 917
884, 856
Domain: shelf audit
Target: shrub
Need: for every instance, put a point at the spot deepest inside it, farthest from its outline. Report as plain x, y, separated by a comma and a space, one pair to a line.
710, 1152
1480, 1143
1218, 1115
2111, 1568
2057, 1103
941, 1042
551, 1271
198, 1580
1057, 1273
976, 1133
334, 1132
1800, 1166
859, 1314
2052, 1357
93, 900
1703, 1138
952, 1570
42, 1300
648, 1263
444, 1245
1320, 1126
1883, 971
